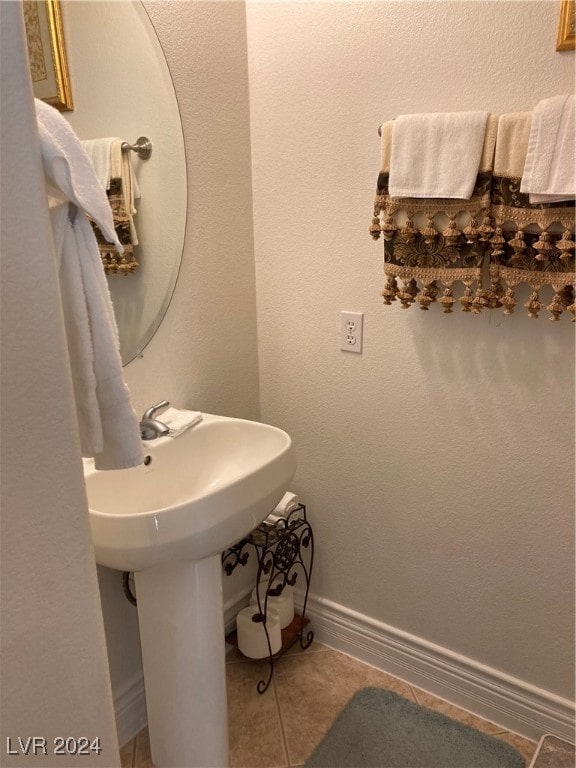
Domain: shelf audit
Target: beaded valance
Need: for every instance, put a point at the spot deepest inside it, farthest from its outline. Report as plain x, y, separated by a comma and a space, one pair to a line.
490, 243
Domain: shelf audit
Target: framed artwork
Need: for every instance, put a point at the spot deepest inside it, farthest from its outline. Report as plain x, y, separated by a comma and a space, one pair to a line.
47, 53
567, 26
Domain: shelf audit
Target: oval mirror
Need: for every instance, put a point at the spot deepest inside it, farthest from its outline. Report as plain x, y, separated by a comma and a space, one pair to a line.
122, 87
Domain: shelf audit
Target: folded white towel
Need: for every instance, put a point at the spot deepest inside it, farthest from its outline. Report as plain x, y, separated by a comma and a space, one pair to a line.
549, 172
179, 420
107, 424
437, 154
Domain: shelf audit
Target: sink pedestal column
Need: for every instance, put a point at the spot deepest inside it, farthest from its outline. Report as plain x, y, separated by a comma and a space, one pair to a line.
180, 612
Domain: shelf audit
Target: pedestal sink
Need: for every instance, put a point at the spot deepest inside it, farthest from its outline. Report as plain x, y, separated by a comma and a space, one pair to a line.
168, 521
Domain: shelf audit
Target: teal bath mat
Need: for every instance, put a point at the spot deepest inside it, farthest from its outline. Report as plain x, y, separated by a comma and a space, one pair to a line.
379, 729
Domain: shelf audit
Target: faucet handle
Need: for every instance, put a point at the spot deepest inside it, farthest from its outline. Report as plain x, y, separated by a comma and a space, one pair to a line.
149, 414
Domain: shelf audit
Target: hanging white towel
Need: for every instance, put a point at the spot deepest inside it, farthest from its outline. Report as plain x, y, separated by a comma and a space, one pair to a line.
77, 326
437, 154
121, 167
98, 150
108, 426
101, 151
70, 171
549, 172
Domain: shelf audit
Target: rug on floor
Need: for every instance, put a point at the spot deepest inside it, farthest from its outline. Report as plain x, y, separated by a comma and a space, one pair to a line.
380, 729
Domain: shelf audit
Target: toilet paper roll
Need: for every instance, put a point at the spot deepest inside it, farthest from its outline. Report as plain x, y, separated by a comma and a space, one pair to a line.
283, 603
252, 635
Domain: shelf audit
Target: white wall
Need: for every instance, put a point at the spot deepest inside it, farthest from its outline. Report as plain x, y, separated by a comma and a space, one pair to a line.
54, 667
438, 465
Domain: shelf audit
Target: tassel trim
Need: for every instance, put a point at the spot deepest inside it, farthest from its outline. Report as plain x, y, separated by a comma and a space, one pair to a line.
524, 244
421, 286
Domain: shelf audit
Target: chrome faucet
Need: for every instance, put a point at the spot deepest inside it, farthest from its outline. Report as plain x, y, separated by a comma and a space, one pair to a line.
151, 428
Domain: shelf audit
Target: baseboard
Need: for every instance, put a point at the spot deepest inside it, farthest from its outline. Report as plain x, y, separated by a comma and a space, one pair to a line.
509, 702
130, 709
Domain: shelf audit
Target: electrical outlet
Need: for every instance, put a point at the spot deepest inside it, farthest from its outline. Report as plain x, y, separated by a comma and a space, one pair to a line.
351, 324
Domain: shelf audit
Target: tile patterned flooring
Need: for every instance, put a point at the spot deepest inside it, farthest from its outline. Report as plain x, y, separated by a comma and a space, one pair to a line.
280, 728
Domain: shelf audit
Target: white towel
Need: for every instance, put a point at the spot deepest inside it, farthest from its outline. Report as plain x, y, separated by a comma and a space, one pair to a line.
77, 326
128, 169
107, 424
512, 144
98, 150
549, 172
121, 167
179, 420
437, 154
109, 161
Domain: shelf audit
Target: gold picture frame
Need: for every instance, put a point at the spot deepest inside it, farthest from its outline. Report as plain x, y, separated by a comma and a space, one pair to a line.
567, 26
47, 53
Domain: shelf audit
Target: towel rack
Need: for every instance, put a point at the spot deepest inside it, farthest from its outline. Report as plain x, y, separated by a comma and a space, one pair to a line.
142, 147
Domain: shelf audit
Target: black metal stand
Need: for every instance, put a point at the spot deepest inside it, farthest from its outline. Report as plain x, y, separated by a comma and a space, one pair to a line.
283, 549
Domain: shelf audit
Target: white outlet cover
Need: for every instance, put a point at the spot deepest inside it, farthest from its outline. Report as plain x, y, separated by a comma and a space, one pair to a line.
351, 328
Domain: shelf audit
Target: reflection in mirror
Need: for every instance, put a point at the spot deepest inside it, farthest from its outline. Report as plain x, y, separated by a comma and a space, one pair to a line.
122, 87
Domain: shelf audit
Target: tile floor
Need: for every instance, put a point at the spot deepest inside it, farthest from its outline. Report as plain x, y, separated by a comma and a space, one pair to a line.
280, 728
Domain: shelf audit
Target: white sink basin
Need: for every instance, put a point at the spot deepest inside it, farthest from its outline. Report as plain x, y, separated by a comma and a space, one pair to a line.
200, 493
169, 521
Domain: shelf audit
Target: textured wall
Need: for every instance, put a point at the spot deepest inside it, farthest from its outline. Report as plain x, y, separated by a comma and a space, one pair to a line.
438, 466
54, 670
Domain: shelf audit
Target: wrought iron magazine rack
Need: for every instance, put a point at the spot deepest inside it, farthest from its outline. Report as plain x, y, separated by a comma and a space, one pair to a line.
284, 550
